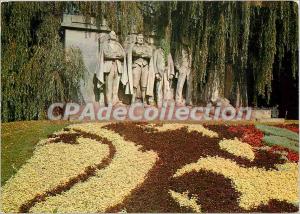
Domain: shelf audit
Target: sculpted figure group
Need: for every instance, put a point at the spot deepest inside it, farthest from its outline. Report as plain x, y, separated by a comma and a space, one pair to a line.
144, 70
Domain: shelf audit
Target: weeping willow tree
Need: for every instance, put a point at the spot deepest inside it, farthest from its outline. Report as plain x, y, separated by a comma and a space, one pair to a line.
236, 39
234, 47
35, 69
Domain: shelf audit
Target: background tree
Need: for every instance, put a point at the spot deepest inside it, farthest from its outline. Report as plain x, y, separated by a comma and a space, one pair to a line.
35, 69
238, 49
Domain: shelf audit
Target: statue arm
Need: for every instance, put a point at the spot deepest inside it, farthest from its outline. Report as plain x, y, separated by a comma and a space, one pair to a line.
108, 52
136, 51
148, 53
115, 52
177, 64
121, 54
144, 52
100, 67
157, 74
171, 65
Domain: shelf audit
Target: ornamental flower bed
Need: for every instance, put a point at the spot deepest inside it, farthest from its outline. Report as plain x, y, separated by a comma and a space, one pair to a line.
249, 134
291, 156
291, 127
140, 167
253, 136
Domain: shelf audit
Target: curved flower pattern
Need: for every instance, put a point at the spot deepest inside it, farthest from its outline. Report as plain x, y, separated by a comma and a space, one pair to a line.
108, 167
51, 165
257, 186
190, 127
111, 185
237, 148
185, 201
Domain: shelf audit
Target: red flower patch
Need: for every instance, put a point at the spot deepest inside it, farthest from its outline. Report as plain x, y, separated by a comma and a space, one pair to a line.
253, 136
291, 127
250, 134
293, 156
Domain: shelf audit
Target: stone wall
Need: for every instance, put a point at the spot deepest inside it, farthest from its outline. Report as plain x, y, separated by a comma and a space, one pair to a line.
83, 34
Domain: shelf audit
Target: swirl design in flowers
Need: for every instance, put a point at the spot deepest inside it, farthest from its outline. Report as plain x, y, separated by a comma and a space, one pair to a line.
140, 167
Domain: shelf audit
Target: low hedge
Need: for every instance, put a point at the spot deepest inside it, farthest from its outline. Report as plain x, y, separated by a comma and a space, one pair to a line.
271, 130
273, 140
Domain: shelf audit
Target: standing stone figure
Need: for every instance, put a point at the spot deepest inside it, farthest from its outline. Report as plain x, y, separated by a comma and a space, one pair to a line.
130, 40
140, 56
111, 68
164, 67
183, 64
151, 75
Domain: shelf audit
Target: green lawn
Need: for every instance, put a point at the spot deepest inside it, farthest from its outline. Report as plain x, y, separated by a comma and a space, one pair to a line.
18, 140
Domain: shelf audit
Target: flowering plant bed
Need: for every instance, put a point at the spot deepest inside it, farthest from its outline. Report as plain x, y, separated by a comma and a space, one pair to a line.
143, 167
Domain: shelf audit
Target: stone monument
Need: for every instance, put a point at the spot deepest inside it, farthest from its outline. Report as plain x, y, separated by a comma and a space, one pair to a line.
164, 69
151, 75
112, 67
145, 70
84, 34
183, 64
140, 55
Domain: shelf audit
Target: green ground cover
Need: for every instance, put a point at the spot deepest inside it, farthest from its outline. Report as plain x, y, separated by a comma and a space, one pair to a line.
271, 130
18, 140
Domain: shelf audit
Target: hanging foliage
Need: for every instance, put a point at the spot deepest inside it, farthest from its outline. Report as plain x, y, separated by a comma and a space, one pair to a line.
239, 39
35, 69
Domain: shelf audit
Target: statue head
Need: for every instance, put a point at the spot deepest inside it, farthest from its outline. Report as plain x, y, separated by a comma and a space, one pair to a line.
132, 38
104, 25
151, 40
112, 35
140, 39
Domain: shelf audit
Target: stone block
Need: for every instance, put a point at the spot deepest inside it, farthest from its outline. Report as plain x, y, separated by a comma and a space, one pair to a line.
259, 114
